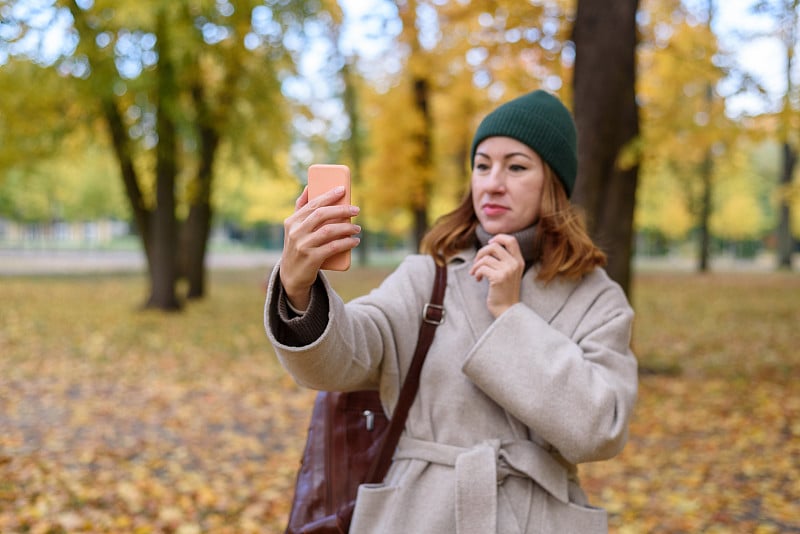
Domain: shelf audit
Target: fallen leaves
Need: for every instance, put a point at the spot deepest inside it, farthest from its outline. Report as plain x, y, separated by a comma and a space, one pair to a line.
116, 420
113, 420
161, 457
716, 447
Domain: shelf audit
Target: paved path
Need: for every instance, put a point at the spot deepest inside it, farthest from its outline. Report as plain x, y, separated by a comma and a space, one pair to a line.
50, 262
22, 262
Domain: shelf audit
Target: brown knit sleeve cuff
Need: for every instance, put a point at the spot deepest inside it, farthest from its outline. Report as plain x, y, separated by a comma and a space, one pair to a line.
298, 330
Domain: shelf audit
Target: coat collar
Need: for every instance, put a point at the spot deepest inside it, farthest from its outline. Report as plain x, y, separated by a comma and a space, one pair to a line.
545, 299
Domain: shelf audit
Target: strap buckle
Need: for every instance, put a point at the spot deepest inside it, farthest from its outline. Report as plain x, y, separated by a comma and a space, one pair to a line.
433, 314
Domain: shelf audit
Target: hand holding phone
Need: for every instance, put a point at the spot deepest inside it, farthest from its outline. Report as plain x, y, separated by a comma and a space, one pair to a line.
323, 178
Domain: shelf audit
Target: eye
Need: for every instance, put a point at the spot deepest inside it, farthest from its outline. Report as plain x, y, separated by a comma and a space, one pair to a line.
481, 166
516, 167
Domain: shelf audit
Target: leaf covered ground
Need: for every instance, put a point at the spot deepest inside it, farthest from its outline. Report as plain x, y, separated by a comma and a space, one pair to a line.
114, 419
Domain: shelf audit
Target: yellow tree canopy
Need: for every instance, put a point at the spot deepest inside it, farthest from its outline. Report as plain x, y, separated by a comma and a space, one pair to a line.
684, 129
472, 56
739, 200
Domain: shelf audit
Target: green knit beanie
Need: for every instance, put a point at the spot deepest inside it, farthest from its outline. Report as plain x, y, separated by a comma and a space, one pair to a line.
542, 122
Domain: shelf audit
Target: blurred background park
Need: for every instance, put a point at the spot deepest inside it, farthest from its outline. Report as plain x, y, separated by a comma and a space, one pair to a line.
150, 150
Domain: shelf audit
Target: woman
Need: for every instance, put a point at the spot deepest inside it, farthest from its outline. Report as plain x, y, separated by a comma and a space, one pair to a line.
531, 372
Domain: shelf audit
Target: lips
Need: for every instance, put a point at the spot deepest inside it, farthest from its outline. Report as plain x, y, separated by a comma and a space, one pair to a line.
493, 210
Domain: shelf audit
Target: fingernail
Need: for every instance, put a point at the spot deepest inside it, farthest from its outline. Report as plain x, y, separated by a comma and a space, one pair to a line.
339, 190
354, 210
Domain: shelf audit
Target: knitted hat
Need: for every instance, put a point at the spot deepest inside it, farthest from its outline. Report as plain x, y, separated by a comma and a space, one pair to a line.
542, 122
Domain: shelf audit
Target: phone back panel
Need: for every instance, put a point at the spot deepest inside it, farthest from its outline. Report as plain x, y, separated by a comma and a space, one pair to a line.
323, 178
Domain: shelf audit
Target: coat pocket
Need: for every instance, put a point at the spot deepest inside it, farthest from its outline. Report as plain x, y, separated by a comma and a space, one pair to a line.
373, 508
559, 517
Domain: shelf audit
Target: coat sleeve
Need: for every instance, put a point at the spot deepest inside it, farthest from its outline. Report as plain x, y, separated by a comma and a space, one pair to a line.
365, 342
576, 391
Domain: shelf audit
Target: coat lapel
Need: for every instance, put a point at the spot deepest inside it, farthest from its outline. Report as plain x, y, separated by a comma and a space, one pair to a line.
545, 299
471, 294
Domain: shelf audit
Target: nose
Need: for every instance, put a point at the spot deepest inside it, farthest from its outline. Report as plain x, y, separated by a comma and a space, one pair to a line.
497, 179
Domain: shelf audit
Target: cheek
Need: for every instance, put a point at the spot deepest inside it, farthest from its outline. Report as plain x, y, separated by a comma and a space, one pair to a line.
532, 201
473, 184
476, 194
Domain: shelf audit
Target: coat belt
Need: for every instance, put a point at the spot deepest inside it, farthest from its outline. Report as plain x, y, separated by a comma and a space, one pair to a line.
481, 468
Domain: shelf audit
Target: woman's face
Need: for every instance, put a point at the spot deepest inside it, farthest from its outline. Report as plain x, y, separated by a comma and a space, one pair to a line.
507, 181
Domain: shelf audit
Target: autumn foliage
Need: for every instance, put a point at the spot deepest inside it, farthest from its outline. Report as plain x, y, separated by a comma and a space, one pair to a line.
113, 420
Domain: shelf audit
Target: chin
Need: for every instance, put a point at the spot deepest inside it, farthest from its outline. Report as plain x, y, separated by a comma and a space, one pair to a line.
495, 228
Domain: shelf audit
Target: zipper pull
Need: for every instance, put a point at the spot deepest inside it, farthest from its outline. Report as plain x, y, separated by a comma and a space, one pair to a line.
370, 420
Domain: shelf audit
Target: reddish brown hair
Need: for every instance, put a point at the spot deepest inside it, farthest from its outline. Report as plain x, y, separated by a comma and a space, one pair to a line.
562, 245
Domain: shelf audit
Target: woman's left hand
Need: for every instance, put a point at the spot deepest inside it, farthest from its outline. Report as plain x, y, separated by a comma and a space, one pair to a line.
500, 262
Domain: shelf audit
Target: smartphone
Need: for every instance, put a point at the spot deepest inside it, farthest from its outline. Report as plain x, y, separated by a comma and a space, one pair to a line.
322, 178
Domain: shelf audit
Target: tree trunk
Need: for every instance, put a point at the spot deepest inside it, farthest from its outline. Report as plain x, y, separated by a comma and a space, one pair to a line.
785, 244
356, 154
196, 232
607, 118
785, 240
119, 141
704, 251
164, 234
197, 228
420, 208
706, 176
420, 225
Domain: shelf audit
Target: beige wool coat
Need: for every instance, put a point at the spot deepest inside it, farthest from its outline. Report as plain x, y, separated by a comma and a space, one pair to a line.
506, 407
